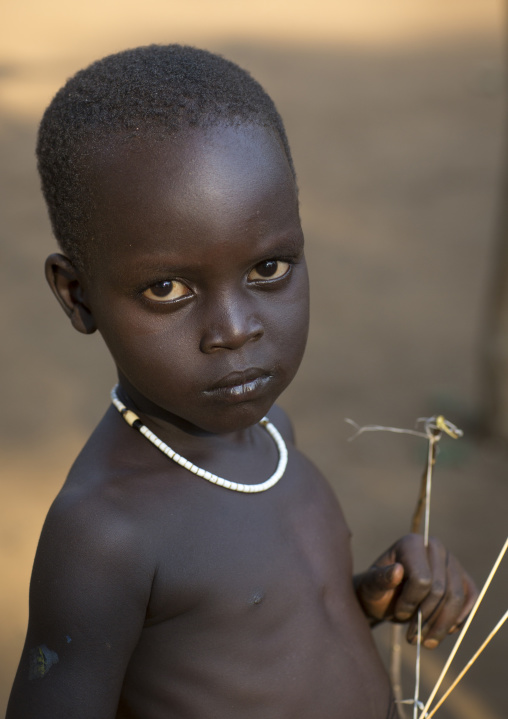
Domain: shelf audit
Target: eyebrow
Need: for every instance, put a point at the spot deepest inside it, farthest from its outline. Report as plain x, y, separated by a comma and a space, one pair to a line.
290, 243
164, 263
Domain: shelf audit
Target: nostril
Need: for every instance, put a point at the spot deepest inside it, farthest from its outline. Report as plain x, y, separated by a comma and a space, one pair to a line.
231, 334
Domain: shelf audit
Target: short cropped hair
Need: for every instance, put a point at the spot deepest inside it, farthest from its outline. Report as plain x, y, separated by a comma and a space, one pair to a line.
150, 92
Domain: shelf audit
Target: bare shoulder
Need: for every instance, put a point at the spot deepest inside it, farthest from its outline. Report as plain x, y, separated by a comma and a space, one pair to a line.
280, 419
90, 588
92, 537
95, 535
96, 502
93, 519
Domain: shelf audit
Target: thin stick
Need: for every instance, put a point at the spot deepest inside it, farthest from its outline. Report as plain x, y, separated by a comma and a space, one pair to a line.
422, 511
433, 428
424, 501
470, 663
431, 460
380, 428
397, 629
465, 628
416, 697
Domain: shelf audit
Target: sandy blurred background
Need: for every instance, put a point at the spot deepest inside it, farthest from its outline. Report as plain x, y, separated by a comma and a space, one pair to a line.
396, 112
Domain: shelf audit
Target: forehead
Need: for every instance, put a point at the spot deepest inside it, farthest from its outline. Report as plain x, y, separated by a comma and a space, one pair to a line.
200, 184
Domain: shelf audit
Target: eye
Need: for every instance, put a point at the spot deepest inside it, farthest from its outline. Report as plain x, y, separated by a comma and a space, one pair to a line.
167, 291
268, 270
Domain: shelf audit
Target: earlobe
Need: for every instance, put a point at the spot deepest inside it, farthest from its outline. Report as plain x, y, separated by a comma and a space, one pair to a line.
67, 287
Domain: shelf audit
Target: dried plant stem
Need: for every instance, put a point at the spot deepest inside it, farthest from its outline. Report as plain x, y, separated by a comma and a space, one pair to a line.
469, 664
464, 629
423, 508
433, 429
420, 512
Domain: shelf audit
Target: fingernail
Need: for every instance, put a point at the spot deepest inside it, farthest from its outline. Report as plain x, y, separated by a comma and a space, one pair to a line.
453, 629
430, 643
403, 616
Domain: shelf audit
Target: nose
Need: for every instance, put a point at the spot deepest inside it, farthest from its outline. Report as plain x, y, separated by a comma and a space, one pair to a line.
230, 324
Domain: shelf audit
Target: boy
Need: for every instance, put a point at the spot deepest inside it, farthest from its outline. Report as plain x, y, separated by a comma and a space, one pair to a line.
160, 588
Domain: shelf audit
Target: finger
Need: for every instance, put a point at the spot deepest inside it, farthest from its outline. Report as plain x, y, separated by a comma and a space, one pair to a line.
378, 580
376, 589
471, 595
414, 556
450, 609
439, 566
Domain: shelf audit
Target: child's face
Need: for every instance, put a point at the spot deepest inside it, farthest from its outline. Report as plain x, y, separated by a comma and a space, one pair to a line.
198, 283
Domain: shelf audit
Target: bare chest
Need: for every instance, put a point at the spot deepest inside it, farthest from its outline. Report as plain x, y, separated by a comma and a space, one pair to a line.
254, 554
257, 602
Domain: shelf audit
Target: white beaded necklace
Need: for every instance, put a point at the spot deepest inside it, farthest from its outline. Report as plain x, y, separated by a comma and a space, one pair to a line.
133, 420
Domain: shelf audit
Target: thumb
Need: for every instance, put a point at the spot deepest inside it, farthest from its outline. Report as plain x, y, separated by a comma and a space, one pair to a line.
378, 580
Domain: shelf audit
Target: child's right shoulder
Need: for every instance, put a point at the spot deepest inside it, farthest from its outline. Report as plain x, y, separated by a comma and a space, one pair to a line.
106, 496
97, 520
91, 583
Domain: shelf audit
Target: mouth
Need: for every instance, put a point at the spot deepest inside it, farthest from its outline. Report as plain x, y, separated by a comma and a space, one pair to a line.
240, 386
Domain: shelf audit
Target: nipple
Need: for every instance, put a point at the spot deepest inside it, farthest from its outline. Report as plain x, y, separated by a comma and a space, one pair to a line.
257, 597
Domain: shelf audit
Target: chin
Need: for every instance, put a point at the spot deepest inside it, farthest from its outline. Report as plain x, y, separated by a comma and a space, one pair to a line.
241, 418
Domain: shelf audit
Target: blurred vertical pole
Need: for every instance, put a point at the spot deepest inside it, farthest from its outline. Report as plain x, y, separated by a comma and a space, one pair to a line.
494, 351
494, 334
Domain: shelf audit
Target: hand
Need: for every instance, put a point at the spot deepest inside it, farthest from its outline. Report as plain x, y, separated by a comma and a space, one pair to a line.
410, 576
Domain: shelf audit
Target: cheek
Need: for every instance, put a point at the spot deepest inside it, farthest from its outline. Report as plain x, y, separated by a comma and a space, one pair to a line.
290, 325
142, 344
157, 352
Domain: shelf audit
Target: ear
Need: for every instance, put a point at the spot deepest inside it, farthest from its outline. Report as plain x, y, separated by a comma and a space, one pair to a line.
67, 286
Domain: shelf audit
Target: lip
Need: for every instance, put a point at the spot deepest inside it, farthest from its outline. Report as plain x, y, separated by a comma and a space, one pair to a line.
240, 386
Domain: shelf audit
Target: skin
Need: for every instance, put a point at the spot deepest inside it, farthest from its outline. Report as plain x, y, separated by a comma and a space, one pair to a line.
162, 595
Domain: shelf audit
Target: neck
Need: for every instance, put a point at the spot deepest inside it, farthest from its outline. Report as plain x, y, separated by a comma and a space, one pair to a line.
134, 421
178, 431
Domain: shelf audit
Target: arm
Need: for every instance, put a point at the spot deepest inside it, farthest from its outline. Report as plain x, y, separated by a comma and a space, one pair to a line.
410, 576
88, 595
